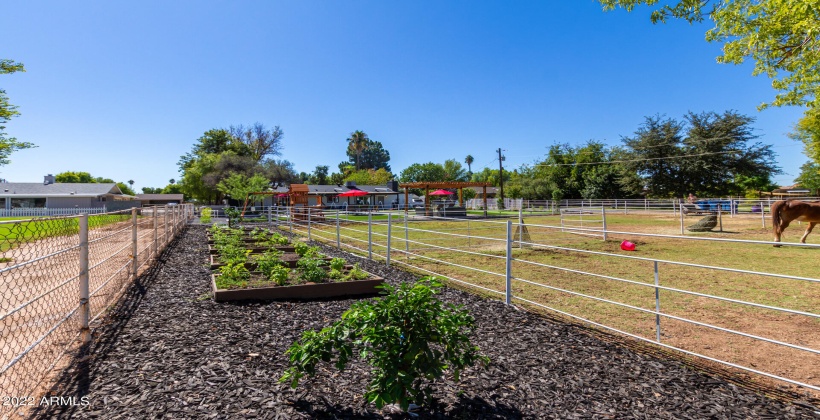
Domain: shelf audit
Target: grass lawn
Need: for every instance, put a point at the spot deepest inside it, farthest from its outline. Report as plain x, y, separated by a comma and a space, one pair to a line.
550, 265
14, 231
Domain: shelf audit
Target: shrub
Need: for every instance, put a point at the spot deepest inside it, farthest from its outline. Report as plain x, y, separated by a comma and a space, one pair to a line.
234, 216
205, 215
408, 336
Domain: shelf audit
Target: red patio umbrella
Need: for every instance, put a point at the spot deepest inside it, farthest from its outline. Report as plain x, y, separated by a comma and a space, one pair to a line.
353, 193
281, 195
441, 192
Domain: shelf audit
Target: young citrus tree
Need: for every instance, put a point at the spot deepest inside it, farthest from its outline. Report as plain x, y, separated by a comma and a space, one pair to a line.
408, 336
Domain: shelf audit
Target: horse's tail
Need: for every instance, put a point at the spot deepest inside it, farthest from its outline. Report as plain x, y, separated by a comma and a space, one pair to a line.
777, 207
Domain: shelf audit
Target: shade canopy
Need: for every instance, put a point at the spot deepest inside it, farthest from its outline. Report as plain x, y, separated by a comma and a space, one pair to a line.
441, 192
281, 195
353, 193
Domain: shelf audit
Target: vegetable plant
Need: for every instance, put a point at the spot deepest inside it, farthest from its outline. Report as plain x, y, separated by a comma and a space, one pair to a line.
311, 270
233, 274
356, 273
268, 261
279, 275
337, 264
408, 336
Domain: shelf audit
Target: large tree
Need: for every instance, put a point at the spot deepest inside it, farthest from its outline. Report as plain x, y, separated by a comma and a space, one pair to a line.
356, 144
260, 142
373, 156
780, 36
469, 161
809, 176
8, 145
807, 130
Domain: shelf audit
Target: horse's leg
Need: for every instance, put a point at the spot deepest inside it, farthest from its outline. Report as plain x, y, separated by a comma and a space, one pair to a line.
783, 225
808, 231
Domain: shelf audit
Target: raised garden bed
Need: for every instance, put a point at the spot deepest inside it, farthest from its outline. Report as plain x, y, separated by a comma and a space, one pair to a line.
300, 291
257, 250
289, 260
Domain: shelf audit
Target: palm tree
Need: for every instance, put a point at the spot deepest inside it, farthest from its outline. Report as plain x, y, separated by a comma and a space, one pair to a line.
172, 181
357, 143
131, 183
469, 161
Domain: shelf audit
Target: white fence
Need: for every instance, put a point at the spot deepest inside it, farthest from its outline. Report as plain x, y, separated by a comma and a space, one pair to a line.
59, 275
497, 258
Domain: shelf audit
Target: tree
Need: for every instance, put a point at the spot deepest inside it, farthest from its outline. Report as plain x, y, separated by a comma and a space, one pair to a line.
419, 172
279, 172
373, 156
781, 37
239, 186
369, 177
172, 181
9, 145
453, 171
259, 141
356, 144
74, 178
807, 130
809, 176
131, 183
125, 189
172, 189
319, 176
150, 190
469, 161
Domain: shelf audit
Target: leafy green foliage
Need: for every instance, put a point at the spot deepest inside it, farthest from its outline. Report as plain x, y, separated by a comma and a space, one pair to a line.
279, 274
233, 275
311, 270
369, 176
356, 273
306, 251
268, 261
240, 187
337, 264
365, 153
234, 216
408, 336
8, 145
205, 215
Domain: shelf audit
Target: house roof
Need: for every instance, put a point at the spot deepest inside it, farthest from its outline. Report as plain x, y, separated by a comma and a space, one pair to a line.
38, 189
337, 189
175, 197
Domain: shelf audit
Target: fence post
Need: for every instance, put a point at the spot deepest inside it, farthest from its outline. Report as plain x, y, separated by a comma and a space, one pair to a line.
156, 236
85, 332
657, 306
270, 219
520, 229
290, 219
369, 236
134, 241
165, 226
763, 214
681, 216
308, 212
645, 205
603, 216
338, 239
508, 270
389, 234
720, 215
407, 237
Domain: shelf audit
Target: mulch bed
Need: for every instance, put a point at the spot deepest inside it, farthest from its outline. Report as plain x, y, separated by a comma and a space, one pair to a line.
168, 350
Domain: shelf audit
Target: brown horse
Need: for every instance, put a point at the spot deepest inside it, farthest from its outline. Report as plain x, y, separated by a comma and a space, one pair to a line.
784, 212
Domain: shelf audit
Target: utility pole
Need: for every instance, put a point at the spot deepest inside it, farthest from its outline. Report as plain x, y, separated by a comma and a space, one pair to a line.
501, 173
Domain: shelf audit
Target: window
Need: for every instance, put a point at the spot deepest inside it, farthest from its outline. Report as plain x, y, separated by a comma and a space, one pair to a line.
26, 203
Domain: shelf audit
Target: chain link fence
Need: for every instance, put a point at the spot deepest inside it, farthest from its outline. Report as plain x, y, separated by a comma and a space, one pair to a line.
58, 275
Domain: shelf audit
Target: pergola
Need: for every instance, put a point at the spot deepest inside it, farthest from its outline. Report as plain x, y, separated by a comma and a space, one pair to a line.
427, 186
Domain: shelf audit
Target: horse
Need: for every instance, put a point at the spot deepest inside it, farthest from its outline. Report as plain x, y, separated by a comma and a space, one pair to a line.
784, 212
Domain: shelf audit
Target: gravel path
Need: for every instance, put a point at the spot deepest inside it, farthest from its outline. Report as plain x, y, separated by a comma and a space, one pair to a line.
171, 351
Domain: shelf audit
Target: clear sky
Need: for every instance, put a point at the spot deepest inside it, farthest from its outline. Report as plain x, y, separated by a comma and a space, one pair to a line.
122, 89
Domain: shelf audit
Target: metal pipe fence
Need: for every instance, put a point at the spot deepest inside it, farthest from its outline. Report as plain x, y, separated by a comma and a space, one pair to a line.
58, 275
548, 269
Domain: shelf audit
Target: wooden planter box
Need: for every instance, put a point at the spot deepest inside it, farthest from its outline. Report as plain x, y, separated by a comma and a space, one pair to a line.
301, 291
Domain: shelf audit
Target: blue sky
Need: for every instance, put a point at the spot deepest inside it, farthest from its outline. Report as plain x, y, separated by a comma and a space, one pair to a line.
121, 90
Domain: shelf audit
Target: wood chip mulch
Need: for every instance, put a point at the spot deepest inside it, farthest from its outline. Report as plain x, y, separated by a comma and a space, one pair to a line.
169, 351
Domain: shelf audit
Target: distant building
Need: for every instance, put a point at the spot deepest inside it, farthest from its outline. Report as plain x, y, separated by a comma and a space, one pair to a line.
160, 199
793, 191
49, 194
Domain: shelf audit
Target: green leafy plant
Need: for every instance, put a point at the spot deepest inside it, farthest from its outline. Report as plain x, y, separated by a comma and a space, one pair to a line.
278, 239
234, 216
301, 248
408, 336
233, 254
337, 264
234, 274
268, 261
311, 270
335, 274
279, 275
356, 273
205, 215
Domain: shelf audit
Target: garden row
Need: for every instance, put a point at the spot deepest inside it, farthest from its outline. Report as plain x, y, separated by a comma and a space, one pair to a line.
260, 264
